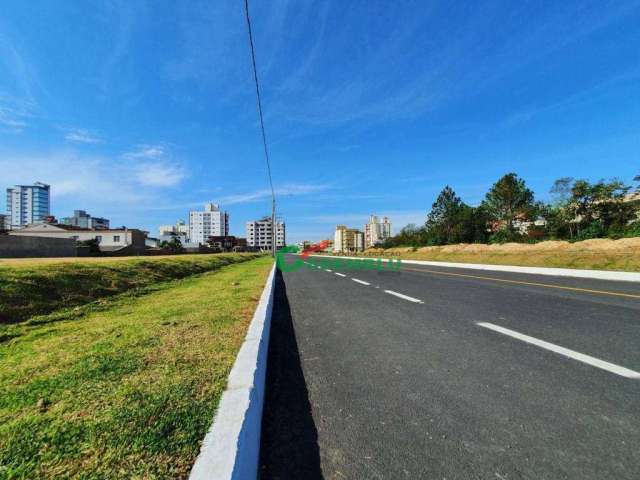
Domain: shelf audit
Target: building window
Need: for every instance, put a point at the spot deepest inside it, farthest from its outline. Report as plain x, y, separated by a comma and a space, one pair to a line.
99, 238
116, 238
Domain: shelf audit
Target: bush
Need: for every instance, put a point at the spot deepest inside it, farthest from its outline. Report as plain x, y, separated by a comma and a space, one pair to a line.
94, 246
504, 236
632, 230
593, 230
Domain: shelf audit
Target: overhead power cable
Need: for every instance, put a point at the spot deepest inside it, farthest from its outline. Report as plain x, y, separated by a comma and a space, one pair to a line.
264, 135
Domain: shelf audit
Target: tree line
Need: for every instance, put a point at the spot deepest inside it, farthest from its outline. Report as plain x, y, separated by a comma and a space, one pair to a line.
509, 212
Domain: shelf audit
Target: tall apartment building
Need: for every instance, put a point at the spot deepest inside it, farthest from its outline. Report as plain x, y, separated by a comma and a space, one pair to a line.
212, 222
28, 204
348, 240
83, 220
259, 234
376, 231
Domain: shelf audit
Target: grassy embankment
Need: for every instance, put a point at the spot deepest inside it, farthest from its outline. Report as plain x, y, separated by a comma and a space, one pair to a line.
125, 387
32, 287
598, 254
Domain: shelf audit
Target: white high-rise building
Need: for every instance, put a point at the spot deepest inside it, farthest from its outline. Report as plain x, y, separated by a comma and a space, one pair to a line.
212, 222
376, 232
259, 234
27, 204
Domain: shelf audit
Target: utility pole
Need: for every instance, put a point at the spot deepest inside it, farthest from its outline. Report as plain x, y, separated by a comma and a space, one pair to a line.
274, 230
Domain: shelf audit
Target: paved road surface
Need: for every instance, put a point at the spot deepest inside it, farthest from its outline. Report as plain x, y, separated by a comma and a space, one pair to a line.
449, 373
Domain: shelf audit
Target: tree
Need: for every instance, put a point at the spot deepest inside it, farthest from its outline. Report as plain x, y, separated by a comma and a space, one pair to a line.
453, 221
406, 236
508, 198
611, 206
443, 222
561, 191
174, 245
93, 244
601, 203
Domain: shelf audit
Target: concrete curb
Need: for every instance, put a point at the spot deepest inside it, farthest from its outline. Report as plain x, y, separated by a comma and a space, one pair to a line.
558, 272
231, 448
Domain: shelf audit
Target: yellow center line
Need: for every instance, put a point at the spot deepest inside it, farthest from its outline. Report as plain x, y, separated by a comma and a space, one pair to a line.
520, 282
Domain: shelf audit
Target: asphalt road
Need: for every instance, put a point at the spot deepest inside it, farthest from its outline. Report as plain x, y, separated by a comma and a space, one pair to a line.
449, 373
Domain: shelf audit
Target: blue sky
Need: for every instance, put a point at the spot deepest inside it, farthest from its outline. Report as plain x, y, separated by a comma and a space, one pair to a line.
140, 111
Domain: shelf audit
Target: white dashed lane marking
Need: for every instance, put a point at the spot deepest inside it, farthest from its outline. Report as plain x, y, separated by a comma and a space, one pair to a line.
404, 297
581, 357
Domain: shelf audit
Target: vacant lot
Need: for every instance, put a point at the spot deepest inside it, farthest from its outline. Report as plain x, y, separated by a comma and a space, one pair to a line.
36, 287
128, 389
598, 254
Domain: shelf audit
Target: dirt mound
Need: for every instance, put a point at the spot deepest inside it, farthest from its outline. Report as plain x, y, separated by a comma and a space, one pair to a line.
549, 246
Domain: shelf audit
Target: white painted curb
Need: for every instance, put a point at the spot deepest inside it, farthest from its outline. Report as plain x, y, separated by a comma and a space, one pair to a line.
557, 272
231, 448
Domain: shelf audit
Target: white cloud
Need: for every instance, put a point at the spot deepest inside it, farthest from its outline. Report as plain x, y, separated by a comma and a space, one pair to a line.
286, 190
92, 182
145, 151
14, 114
155, 166
159, 174
81, 135
84, 179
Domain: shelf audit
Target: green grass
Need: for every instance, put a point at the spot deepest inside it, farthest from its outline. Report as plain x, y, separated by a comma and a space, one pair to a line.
128, 388
36, 288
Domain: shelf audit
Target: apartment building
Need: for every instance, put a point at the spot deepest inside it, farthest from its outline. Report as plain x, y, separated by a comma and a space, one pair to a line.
376, 231
82, 219
28, 204
348, 240
212, 222
4, 222
259, 234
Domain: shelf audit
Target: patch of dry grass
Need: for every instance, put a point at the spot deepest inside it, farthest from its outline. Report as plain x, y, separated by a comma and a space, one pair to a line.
596, 254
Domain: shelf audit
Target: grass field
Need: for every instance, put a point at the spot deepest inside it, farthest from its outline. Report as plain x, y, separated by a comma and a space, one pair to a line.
39, 286
597, 254
129, 388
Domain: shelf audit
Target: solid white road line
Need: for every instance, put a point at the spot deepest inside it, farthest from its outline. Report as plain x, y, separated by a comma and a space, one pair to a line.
340, 274
327, 270
581, 357
404, 297
360, 281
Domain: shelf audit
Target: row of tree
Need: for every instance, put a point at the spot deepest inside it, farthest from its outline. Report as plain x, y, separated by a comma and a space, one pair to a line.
578, 210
